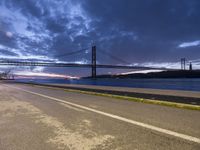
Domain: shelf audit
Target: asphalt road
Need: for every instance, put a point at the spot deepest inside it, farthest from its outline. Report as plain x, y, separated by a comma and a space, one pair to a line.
42, 118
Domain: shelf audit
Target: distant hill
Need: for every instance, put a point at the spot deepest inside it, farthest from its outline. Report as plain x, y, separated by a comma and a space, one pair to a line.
163, 74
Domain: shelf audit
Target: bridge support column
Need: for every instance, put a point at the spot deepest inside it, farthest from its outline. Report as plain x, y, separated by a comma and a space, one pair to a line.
94, 72
183, 63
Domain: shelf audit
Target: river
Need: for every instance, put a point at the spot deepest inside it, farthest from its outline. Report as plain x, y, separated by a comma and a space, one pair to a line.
172, 84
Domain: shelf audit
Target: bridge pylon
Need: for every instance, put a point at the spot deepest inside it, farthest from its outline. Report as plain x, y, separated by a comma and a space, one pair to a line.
94, 59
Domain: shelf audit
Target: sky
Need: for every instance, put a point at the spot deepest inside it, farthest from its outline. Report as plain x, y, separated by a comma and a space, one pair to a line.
153, 33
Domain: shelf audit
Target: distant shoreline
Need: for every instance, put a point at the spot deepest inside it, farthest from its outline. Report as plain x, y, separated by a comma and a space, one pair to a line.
157, 75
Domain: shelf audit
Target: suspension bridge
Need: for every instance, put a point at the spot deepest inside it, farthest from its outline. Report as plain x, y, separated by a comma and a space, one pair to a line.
93, 65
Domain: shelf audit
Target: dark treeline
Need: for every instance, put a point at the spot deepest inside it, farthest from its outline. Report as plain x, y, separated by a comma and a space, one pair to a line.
163, 74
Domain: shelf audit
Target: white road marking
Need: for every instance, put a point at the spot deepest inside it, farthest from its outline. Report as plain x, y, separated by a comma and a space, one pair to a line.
151, 127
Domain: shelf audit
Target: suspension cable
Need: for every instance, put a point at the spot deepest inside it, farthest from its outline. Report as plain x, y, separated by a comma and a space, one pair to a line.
72, 53
114, 57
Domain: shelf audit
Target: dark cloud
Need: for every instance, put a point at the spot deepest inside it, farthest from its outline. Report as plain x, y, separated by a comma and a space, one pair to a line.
56, 25
5, 52
147, 17
159, 25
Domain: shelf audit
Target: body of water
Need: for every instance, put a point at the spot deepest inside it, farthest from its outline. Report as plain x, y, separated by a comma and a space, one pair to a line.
172, 84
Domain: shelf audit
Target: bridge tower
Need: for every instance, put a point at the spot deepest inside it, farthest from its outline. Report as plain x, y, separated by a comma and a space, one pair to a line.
94, 58
183, 63
190, 67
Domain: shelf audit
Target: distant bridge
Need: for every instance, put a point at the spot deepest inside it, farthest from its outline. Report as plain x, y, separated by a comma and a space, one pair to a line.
93, 64
29, 63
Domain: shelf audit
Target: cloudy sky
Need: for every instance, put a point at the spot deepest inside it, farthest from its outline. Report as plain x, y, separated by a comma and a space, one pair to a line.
142, 32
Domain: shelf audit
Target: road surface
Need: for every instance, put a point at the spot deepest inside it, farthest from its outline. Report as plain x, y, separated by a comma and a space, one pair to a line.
42, 118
